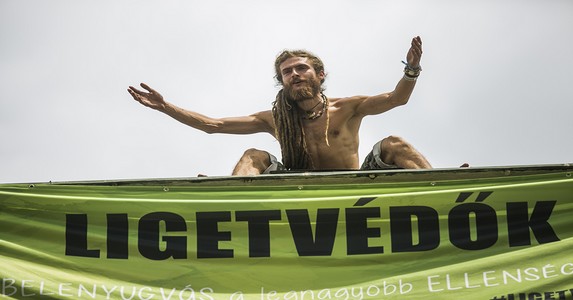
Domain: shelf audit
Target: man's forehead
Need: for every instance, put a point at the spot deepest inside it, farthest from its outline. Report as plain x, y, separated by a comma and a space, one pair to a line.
293, 61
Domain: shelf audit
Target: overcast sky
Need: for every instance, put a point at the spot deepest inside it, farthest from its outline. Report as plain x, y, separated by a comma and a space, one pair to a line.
496, 87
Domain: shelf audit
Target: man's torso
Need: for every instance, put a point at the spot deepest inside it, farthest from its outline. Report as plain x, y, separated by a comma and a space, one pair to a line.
341, 151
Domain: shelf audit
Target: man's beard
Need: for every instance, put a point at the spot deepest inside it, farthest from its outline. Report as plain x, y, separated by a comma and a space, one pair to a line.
310, 89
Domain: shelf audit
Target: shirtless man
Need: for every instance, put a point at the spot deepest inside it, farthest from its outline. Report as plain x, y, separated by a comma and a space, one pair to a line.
315, 132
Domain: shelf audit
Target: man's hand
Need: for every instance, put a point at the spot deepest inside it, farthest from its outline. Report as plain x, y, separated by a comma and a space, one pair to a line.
152, 99
415, 53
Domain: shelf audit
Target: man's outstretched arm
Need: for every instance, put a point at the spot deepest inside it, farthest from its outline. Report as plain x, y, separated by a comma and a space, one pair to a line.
258, 122
381, 103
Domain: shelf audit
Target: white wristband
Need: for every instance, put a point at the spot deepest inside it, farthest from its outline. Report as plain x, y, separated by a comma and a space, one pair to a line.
408, 78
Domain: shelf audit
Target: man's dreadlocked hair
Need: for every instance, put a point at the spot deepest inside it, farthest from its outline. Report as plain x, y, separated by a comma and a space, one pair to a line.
288, 120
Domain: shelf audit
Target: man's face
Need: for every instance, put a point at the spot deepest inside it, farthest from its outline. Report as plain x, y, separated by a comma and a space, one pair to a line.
300, 80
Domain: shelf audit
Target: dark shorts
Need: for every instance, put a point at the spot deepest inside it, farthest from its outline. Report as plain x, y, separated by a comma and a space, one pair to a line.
373, 161
276, 165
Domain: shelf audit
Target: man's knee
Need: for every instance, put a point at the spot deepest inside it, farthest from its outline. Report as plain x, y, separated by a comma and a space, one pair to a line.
398, 151
257, 157
253, 152
394, 139
393, 144
253, 162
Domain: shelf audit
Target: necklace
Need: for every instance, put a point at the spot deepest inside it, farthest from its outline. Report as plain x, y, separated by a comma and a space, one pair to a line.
311, 114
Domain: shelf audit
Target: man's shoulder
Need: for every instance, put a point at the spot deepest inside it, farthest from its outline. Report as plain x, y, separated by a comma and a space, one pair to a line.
344, 101
264, 117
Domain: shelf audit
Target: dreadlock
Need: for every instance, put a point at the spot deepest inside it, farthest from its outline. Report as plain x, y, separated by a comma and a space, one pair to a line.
287, 117
290, 133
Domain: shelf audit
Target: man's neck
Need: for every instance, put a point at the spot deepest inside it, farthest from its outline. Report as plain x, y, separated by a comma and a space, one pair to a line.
310, 103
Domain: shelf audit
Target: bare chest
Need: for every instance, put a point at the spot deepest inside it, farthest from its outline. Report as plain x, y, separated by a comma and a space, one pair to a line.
331, 127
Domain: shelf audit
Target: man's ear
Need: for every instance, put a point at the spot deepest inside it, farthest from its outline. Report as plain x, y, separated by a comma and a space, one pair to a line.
321, 75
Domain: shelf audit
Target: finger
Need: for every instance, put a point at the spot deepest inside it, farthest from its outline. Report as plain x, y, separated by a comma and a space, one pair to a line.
417, 49
134, 95
142, 93
149, 89
416, 43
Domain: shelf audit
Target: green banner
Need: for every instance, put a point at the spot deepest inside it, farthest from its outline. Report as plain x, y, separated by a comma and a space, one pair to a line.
503, 233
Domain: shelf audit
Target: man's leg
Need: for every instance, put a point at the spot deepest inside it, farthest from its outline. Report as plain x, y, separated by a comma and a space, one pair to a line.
396, 151
253, 162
